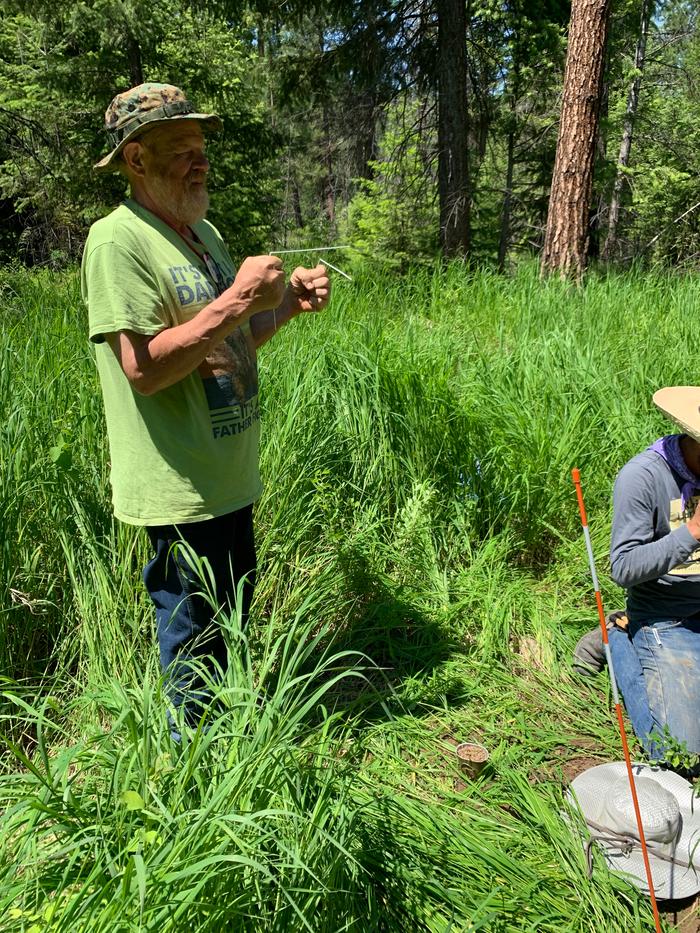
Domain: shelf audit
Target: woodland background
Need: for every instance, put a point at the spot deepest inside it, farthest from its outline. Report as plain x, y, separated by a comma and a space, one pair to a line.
423, 578
336, 116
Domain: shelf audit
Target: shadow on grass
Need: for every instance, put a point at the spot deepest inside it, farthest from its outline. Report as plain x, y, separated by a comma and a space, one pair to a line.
397, 637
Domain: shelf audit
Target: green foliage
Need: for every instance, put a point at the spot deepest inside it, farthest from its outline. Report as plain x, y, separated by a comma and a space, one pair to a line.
675, 754
394, 216
664, 180
327, 114
330, 122
517, 51
660, 220
58, 72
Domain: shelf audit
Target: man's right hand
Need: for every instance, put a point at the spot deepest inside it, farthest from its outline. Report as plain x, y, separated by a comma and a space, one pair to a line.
259, 285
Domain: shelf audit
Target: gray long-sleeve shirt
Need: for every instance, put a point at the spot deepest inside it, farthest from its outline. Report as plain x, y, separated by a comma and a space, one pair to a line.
652, 553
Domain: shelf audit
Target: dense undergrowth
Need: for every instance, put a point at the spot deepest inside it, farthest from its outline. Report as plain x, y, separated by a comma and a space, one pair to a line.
422, 582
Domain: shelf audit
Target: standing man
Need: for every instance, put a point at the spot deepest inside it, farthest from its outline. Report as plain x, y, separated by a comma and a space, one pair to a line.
655, 556
176, 330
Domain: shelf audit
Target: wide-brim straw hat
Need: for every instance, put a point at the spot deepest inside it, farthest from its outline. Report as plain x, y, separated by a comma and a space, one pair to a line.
142, 108
682, 405
670, 815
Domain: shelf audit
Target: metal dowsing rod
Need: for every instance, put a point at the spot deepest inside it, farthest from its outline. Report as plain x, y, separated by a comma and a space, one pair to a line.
335, 268
317, 249
576, 477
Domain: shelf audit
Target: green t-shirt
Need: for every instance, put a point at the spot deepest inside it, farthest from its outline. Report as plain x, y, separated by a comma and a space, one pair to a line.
188, 452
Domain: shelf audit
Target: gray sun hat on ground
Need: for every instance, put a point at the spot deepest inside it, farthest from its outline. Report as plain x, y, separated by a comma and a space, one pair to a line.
142, 108
670, 817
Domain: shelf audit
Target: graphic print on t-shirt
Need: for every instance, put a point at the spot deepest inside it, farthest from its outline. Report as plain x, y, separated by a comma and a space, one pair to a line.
230, 380
678, 517
194, 287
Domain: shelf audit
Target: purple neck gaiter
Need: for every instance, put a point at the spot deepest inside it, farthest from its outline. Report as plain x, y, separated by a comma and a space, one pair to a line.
669, 447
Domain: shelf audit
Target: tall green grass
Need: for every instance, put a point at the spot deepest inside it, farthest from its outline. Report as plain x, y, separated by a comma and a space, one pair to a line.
418, 535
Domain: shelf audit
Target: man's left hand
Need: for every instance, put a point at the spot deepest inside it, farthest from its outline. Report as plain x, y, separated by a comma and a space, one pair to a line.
308, 289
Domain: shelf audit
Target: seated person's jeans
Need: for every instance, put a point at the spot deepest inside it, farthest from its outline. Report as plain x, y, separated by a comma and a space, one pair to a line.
657, 666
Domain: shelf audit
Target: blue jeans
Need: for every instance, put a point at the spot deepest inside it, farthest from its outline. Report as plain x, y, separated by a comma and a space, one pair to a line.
187, 629
657, 666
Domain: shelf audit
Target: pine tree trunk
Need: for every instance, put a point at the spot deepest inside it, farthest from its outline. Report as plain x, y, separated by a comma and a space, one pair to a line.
364, 150
260, 35
327, 177
328, 180
504, 240
566, 239
453, 162
628, 128
296, 202
133, 53
597, 214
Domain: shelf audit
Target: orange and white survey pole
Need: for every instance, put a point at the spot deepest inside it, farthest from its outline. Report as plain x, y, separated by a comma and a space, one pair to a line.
576, 476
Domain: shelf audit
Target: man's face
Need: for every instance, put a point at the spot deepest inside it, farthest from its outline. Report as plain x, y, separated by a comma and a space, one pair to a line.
176, 170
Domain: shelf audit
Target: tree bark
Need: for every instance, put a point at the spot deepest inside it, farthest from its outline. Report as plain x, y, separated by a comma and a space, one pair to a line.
504, 240
364, 150
597, 214
133, 54
453, 161
260, 34
328, 179
627, 131
566, 238
296, 202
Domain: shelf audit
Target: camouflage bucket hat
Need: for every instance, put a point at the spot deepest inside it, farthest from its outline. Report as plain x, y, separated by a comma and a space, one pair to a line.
142, 108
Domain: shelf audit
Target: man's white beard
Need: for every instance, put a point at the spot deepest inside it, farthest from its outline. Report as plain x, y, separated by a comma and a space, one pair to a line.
187, 205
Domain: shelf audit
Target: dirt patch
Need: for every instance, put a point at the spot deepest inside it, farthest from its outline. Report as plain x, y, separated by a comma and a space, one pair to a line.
575, 766
530, 653
569, 769
684, 915
578, 742
568, 761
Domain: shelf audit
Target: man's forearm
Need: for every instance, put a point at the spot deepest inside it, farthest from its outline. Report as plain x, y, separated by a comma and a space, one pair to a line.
154, 363
265, 324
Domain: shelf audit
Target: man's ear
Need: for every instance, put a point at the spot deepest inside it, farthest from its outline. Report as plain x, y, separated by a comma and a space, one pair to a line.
132, 154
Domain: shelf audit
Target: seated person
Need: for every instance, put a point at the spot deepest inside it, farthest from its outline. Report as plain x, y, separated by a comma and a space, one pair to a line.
655, 556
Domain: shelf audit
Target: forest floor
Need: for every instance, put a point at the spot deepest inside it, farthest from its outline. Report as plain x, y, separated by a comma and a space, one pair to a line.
422, 582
